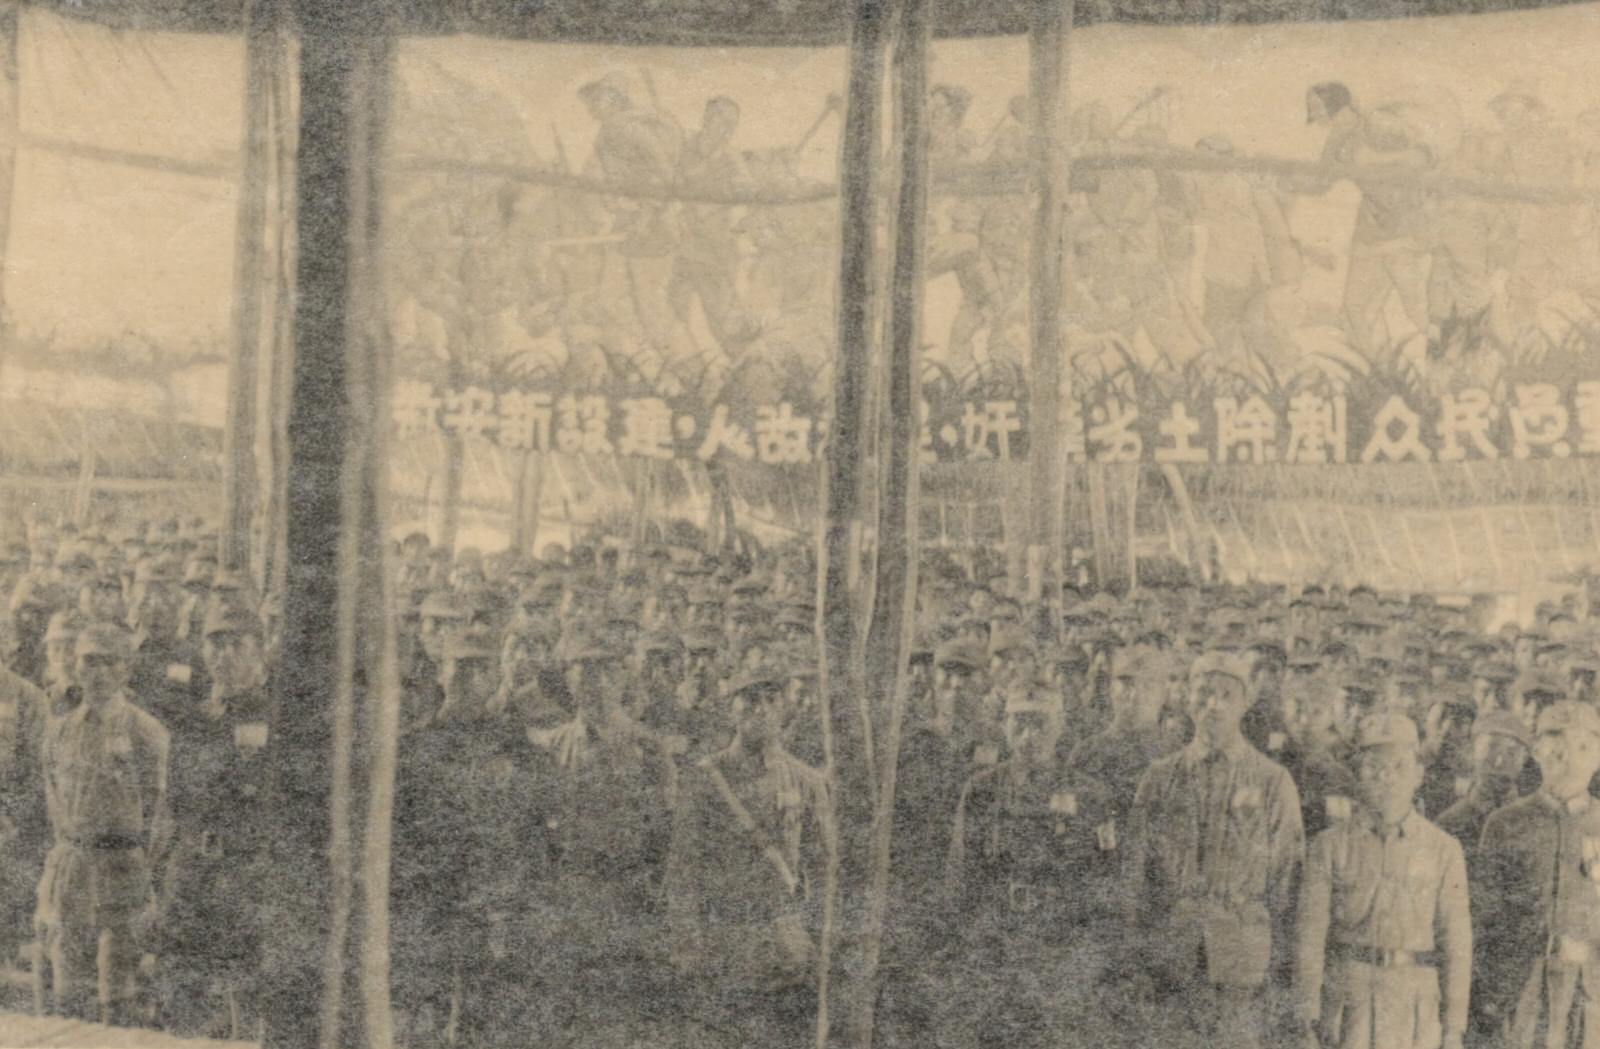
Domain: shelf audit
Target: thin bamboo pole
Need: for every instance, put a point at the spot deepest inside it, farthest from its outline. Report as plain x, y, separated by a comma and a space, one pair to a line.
846, 721
893, 622
1049, 27
239, 479
10, 131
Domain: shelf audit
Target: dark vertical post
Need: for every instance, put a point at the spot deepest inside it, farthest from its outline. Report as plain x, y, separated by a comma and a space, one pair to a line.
274, 418
239, 481
894, 607
846, 719
1049, 22
10, 133
338, 685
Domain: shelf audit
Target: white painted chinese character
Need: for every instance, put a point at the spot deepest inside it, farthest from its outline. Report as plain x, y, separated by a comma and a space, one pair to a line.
1180, 427
925, 434
1317, 429
1468, 415
414, 408
646, 428
525, 421
582, 424
1588, 405
1074, 445
1539, 420
469, 412
782, 436
1252, 425
997, 419
1112, 429
722, 434
1386, 444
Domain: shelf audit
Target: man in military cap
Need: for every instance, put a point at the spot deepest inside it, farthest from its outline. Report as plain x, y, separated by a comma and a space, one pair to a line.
530, 676
198, 572
24, 642
221, 799
1264, 724
1118, 756
1032, 842
1491, 681
1447, 751
105, 773
60, 656
1318, 752
1213, 848
936, 755
752, 837
442, 615
608, 824
1384, 944
166, 677
100, 600
1536, 897
1501, 746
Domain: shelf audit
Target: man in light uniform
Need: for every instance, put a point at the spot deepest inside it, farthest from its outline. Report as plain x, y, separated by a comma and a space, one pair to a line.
1384, 945
1538, 894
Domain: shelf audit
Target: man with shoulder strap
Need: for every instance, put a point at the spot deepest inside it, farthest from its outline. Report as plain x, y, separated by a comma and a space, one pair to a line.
105, 769
1031, 877
221, 787
1536, 892
1384, 945
1213, 848
751, 839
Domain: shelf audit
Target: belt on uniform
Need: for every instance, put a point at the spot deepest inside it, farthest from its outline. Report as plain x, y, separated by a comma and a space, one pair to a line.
106, 842
1383, 958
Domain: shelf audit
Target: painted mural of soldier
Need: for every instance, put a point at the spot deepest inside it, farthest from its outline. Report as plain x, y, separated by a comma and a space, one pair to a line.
1388, 253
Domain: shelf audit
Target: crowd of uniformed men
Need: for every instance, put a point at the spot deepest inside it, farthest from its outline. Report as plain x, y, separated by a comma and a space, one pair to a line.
1196, 814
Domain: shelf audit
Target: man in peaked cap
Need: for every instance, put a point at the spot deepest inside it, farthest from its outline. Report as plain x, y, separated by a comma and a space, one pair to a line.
100, 600
935, 757
30, 608
1032, 854
751, 836
60, 641
1319, 746
1536, 896
443, 614
1118, 756
221, 795
1212, 911
1501, 746
1393, 970
168, 677
95, 896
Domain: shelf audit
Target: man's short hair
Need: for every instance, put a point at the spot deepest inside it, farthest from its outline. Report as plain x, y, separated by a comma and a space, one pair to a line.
723, 103
1333, 95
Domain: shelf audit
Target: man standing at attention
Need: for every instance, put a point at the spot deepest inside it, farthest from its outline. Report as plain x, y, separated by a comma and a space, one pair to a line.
105, 770
1384, 946
1214, 844
1538, 894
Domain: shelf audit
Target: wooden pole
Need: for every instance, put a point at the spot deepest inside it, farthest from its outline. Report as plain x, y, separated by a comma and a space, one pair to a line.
1048, 28
338, 679
846, 720
239, 480
893, 624
280, 366
10, 101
